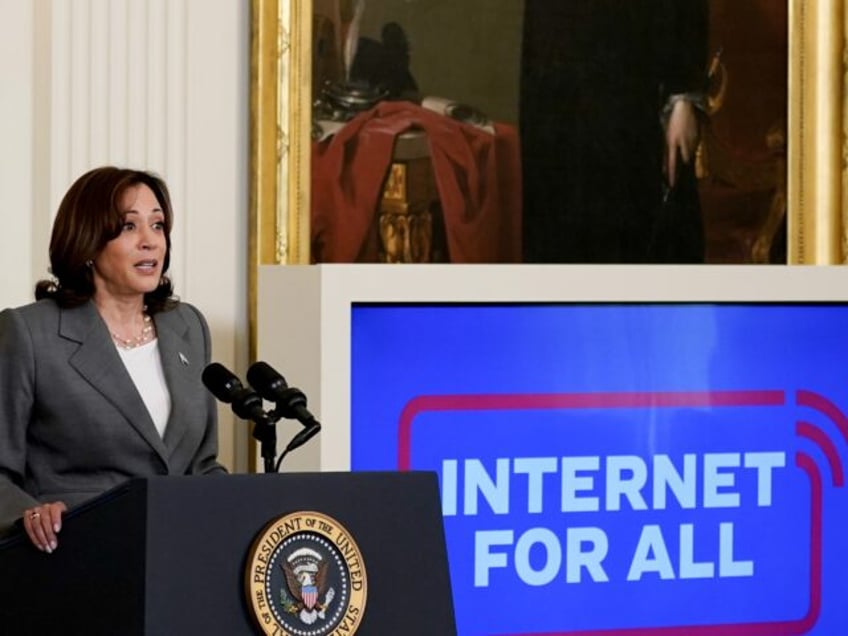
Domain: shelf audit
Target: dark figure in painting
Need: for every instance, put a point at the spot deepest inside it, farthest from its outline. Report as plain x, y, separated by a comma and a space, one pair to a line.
385, 64
610, 91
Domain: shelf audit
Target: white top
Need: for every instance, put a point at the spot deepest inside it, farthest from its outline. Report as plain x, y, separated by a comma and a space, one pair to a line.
145, 368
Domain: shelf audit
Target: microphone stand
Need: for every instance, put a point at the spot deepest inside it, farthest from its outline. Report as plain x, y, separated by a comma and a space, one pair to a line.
265, 432
291, 404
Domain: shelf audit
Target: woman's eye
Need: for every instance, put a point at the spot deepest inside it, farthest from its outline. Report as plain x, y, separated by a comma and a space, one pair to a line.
159, 225
128, 225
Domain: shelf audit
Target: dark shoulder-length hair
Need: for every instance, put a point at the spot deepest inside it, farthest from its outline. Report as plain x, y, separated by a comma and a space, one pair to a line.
90, 216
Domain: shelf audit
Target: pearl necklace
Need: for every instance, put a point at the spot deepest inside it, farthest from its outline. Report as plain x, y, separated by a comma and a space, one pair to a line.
144, 337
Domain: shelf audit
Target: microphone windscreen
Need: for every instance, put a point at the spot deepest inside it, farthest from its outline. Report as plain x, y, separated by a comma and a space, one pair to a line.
221, 382
266, 380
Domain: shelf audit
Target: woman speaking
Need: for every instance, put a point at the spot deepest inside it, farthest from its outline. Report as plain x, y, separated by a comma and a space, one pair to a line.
100, 377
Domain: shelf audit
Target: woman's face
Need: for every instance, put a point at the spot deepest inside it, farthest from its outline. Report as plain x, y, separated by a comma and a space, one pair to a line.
131, 263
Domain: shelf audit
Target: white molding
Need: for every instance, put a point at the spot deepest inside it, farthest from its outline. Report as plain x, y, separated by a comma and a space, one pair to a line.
16, 106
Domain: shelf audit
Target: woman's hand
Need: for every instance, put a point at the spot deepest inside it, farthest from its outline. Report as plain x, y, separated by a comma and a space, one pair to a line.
681, 137
43, 523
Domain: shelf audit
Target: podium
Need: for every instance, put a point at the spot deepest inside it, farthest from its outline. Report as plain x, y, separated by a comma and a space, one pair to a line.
172, 555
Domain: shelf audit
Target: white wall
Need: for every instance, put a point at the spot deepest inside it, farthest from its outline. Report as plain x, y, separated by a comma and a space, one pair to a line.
16, 151
161, 85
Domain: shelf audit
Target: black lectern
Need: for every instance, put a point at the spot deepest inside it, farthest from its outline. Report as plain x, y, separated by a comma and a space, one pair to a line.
170, 555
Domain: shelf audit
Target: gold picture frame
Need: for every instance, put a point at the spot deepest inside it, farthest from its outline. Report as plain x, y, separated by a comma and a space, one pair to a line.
280, 95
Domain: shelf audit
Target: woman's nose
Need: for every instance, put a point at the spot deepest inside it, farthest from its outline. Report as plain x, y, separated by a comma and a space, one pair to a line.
147, 238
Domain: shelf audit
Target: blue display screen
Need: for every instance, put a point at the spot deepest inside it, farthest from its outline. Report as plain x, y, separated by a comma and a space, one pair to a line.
660, 468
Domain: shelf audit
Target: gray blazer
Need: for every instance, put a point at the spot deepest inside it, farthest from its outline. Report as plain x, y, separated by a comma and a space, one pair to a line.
72, 423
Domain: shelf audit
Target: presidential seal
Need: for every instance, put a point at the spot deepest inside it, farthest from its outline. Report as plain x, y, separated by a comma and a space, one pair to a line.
305, 576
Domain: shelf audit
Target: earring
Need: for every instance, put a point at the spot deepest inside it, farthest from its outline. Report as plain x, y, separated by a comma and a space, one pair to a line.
89, 263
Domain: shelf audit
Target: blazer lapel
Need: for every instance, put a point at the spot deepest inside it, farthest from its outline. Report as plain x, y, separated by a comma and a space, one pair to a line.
175, 352
98, 361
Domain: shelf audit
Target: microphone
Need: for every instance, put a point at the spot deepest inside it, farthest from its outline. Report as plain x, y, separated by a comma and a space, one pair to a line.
225, 386
291, 402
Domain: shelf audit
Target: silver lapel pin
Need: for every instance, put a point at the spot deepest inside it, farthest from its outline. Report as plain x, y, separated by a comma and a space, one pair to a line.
183, 359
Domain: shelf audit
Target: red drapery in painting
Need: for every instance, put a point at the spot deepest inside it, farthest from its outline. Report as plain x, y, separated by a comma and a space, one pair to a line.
477, 175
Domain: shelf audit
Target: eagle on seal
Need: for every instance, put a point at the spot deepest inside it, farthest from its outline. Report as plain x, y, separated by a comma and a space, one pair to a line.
307, 584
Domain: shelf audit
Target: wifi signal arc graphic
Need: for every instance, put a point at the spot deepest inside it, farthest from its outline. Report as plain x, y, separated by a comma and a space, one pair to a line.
820, 438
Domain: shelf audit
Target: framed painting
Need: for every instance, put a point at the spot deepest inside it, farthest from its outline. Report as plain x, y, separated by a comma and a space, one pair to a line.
792, 176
